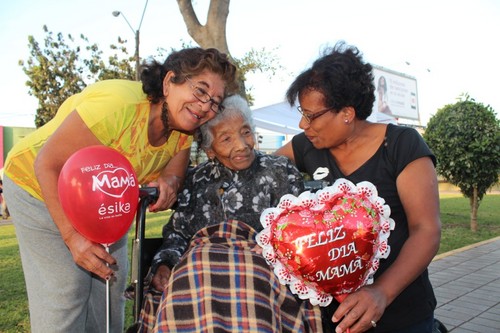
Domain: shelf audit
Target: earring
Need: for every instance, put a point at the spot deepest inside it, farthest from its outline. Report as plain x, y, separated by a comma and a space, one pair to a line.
346, 121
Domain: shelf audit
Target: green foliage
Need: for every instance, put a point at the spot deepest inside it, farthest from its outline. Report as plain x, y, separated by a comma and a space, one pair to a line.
258, 60
465, 137
255, 61
59, 68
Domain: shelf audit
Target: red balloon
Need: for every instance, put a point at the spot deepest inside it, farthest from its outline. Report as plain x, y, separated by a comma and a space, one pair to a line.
327, 244
99, 192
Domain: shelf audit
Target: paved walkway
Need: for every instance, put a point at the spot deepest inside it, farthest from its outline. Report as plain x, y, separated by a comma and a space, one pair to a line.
467, 286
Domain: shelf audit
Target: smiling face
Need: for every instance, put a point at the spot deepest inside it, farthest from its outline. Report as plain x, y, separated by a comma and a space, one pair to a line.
233, 144
186, 111
329, 130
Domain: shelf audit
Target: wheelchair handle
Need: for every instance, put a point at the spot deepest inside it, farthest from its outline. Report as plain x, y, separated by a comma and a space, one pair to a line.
149, 193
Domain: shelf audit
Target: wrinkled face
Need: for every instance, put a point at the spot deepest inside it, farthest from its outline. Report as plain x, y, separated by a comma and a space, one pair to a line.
191, 103
233, 144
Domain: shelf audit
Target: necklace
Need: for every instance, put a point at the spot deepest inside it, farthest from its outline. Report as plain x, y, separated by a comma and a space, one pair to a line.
164, 119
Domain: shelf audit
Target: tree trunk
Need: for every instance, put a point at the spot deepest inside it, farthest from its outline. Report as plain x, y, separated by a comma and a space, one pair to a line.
474, 205
213, 33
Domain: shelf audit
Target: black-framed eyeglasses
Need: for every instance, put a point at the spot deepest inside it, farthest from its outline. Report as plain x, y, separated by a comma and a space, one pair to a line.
204, 97
310, 117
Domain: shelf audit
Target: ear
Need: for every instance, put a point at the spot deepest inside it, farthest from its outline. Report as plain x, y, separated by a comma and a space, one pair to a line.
349, 113
167, 82
210, 153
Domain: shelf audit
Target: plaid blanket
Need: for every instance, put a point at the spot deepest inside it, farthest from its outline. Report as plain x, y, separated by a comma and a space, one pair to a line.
221, 285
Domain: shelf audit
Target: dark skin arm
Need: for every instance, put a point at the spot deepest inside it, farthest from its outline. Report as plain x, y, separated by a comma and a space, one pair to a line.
418, 190
287, 151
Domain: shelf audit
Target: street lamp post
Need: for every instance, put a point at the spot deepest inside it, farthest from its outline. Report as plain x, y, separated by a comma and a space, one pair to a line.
137, 58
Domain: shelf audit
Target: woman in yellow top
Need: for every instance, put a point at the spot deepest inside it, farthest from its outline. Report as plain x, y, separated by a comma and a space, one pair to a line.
151, 123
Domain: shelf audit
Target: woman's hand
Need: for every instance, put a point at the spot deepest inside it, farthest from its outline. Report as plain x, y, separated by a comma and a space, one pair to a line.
168, 187
418, 191
70, 137
90, 256
170, 181
160, 278
359, 309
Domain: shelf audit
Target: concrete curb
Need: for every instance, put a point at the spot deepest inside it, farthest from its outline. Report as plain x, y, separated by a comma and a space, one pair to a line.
465, 248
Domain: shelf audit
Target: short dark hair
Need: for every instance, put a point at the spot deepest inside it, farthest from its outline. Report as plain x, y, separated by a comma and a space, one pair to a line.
342, 77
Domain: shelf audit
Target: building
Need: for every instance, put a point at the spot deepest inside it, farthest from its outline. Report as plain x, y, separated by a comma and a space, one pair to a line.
10, 136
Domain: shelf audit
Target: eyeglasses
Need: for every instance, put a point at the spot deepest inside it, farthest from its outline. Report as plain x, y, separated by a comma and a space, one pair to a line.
310, 117
204, 97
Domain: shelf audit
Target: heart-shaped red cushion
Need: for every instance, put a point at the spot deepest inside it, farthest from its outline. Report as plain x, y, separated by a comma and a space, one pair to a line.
327, 244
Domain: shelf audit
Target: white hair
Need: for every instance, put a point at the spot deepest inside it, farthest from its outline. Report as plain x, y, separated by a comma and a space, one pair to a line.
234, 106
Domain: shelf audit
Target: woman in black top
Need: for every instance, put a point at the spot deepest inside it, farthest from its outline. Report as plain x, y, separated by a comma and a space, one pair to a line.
335, 97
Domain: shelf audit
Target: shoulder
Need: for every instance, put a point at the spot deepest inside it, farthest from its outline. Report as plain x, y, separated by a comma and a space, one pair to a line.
398, 131
305, 153
406, 144
301, 146
203, 167
398, 135
268, 160
300, 139
107, 96
125, 90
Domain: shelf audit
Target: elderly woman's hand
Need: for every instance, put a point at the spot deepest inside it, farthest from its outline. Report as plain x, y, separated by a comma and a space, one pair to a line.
160, 278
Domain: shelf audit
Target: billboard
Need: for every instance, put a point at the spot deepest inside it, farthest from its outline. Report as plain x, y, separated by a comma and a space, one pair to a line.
395, 94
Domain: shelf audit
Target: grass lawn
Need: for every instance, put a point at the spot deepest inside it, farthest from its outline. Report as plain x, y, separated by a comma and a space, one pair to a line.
455, 217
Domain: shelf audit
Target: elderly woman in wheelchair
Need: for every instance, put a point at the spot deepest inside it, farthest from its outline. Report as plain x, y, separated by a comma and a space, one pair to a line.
206, 276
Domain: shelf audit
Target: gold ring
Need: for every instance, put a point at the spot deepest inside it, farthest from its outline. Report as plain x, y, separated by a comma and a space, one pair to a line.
374, 324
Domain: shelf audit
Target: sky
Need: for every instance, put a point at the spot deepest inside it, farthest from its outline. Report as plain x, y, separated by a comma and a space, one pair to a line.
451, 47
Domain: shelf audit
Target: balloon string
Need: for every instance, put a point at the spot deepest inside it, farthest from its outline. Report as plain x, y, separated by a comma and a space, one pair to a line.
107, 295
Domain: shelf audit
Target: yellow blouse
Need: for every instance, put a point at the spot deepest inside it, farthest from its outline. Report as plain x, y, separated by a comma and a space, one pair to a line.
117, 112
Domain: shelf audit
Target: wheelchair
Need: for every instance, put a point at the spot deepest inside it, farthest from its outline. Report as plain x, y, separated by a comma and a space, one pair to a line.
143, 249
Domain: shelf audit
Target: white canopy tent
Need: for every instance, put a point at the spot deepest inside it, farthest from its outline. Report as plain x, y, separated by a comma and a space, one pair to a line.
279, 118
284, 119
